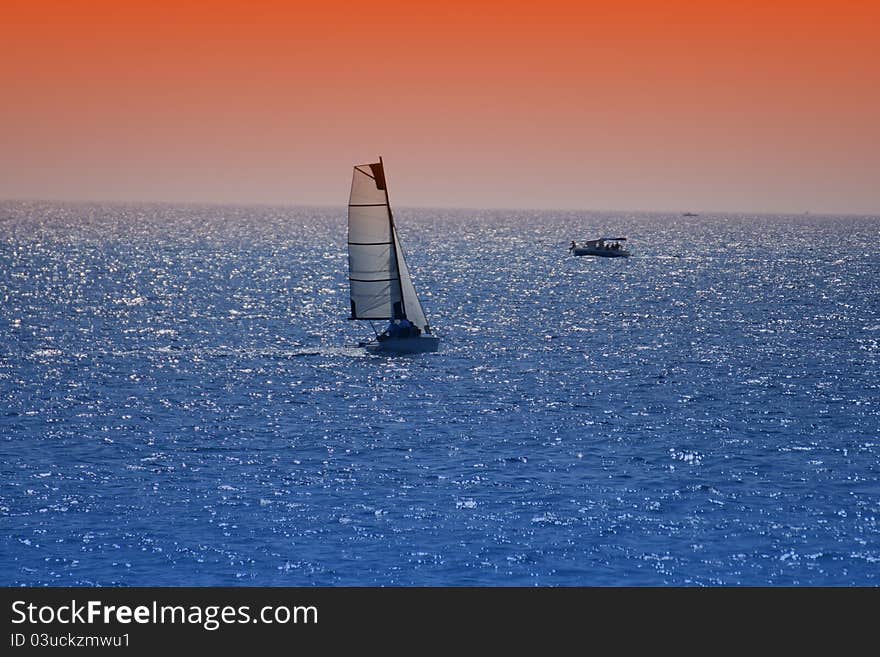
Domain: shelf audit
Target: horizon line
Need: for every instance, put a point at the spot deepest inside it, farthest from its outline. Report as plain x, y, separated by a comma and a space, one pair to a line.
291, 204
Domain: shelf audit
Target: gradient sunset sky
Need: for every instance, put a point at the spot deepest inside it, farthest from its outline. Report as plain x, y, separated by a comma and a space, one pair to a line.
753, 106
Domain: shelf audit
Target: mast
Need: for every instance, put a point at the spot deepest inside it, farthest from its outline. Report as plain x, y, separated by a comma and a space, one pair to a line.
393, 238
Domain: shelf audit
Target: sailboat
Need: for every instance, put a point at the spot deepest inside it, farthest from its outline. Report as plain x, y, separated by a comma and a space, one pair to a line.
379, 280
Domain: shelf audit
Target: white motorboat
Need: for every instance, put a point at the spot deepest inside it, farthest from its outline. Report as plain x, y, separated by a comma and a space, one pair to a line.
605, 247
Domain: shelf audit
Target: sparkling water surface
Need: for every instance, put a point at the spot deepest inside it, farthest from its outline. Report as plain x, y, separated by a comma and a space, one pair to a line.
182, 401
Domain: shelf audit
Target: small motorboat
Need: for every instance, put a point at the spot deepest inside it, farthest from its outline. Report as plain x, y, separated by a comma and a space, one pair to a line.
605, 247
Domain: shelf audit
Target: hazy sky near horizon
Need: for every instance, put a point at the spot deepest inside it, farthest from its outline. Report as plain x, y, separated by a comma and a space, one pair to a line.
754, 106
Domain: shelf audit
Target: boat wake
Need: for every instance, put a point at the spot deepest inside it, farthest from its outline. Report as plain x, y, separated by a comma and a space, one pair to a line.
348, 351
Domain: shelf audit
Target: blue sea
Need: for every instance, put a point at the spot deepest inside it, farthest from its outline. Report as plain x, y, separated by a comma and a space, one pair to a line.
182, 402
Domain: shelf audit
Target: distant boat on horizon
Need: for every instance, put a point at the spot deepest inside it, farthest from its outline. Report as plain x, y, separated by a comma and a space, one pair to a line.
690, 214
379, 280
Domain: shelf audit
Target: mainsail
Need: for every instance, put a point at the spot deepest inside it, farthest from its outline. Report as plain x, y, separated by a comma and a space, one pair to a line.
381, 287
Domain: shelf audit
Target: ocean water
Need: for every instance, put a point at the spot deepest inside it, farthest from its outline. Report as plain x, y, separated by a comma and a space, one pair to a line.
181, 402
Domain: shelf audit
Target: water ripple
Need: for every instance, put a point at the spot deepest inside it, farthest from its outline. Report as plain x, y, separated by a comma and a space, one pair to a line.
183, 402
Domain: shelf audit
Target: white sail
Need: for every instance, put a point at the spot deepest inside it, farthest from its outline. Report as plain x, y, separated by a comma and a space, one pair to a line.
380, 284
372, 262
414, 312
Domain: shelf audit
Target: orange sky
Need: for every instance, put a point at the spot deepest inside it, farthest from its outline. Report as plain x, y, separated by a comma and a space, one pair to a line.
644, 105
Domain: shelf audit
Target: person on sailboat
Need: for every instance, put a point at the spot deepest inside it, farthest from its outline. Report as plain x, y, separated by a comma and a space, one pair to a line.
399, 328
404, 328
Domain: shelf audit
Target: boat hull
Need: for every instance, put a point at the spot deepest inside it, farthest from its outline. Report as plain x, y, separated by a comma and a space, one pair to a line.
602, 253
419, 345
